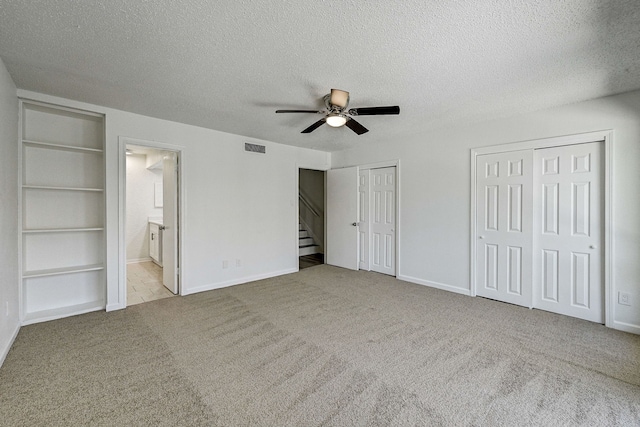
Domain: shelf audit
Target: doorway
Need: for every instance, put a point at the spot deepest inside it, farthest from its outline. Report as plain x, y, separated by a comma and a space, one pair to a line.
311, 219
150, 219
539, 232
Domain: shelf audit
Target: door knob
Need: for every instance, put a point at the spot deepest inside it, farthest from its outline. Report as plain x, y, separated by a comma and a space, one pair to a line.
480, 237
162, 227
355, 224
593, 247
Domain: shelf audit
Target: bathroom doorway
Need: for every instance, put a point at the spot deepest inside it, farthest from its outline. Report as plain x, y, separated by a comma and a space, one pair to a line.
151, 235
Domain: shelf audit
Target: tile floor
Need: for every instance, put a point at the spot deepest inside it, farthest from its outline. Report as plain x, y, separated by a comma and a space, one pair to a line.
144, 283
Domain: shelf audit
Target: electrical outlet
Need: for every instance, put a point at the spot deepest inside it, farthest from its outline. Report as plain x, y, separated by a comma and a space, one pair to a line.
238, 262
624, 298
225, 264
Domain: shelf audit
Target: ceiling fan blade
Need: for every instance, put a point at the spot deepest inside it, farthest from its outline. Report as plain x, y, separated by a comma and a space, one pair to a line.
299, 111
356, 127
314, 126
375, 111
339, 98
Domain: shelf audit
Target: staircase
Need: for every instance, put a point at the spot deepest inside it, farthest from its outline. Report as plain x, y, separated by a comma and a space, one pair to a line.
306, 245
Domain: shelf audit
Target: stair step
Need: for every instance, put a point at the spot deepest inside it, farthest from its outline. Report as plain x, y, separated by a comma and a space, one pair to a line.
308, 250
303, 233
306, 241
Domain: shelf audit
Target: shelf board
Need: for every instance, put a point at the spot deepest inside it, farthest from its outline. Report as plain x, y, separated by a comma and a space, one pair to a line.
56, 313
63, 270
61, 230
60, 146
46, 187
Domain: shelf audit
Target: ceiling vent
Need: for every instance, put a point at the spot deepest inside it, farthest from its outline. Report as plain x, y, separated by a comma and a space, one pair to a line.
255, 148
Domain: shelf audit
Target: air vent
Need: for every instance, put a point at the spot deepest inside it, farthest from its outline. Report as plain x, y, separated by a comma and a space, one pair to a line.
255, 148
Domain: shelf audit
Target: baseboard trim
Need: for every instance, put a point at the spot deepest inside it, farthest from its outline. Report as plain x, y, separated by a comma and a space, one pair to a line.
238, 281
138, 260
116, 306
7, 347
626, 327
436, 285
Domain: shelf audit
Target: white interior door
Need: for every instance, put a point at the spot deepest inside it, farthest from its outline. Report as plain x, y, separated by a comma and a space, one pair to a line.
170, 221
342, 217
363, 219
504, 226
382, 218
568, 233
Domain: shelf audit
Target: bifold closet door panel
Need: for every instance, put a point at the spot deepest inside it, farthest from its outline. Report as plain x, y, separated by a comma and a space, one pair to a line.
64, 209
504, 226
57, 126
53, 292
44, 251
382, 219
568, 232
60, 168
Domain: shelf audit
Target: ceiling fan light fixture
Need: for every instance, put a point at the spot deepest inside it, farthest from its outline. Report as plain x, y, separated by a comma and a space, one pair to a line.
339, 98
336, 120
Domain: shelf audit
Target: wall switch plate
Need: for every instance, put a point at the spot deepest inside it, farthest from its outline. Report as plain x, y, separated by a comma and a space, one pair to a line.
6, 309
624, 298
225, 264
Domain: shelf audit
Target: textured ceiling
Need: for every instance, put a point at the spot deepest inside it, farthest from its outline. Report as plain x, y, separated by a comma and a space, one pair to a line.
229, 64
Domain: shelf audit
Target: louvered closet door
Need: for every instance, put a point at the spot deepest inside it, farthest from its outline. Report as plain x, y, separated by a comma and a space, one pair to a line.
504, 226
567, 231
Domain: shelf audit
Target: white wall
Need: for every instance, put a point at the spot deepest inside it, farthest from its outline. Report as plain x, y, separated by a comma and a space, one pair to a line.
140, 206
238, 205
435, 190
9, 295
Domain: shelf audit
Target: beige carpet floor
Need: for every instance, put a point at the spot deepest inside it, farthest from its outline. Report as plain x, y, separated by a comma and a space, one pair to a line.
321, 347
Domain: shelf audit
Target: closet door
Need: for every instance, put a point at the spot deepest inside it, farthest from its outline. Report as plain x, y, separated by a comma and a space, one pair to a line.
382, 218
504, 226
568, 231
363, 220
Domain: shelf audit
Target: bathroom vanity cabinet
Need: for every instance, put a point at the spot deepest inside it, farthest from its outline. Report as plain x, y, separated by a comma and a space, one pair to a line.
155, 241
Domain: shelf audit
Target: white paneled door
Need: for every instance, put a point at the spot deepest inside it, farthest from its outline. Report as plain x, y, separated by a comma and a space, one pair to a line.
567, 231
342, 218
363, 219
504, 226
382, 217
539, 229
170, 221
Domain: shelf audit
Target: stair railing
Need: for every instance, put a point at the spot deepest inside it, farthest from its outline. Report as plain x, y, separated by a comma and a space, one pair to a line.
308, 204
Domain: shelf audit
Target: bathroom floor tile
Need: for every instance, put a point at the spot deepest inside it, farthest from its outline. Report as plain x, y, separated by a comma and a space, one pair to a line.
144, 283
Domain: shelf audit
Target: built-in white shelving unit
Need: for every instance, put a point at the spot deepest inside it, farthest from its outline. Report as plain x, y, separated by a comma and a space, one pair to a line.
62, 211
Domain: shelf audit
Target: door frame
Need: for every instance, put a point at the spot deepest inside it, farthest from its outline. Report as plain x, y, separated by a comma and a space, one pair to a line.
123, 141
380, 165
604, 136
297, 205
